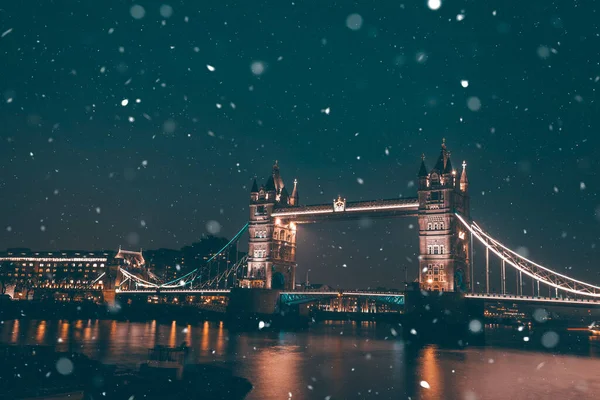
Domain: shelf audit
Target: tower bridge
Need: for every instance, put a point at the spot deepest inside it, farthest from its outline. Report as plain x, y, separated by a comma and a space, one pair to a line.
443, 246
446, 239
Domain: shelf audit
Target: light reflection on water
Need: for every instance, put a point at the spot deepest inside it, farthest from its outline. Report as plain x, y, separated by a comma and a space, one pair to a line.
342, 360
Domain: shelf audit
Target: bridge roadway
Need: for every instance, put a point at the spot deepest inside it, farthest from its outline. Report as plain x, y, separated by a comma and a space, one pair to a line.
297, 297
289, 298
533, 299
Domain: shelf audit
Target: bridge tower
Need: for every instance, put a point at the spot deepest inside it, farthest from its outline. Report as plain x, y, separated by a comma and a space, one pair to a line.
444, 262
272, 241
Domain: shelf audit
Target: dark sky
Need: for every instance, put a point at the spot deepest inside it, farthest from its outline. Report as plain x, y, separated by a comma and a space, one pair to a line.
80, 170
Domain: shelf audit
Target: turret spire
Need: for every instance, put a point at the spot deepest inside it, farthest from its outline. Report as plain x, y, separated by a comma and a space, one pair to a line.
294, 197
464, 182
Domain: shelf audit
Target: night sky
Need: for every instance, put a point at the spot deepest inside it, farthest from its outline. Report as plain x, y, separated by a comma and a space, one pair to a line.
226, 88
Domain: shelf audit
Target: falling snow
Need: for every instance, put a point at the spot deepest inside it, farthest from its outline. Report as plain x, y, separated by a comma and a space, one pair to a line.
434, 4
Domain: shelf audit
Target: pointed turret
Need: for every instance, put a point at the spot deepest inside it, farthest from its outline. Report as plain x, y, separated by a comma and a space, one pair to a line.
464, 182
448, 167
423, 169
294, 197
441, 164
284, 196
254, 191
278, 182
270, 185
423, 175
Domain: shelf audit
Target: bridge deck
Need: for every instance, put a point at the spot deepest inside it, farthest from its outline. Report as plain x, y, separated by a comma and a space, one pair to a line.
210, 292
531, 299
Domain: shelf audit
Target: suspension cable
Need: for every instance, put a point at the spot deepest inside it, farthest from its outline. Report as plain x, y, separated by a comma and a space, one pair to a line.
510, 259
181, 281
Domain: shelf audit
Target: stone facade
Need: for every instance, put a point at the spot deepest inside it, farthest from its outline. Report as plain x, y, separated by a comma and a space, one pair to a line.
444, 245
272, 241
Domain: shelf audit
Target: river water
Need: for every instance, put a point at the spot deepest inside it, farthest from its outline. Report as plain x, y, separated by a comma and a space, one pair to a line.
345, 360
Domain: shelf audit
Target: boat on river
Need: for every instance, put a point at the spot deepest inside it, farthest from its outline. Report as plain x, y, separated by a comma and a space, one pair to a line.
594, 328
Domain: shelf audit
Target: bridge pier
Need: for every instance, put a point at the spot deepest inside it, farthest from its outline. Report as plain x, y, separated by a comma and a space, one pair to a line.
109, 296
247, 308
443, 317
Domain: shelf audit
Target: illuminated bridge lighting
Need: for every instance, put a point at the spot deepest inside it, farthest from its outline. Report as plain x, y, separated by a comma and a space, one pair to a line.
538, 272
149, 291
53, 259
501, 297
395, 204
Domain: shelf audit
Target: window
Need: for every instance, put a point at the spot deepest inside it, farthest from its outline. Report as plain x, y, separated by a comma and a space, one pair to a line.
437, 196
435, 273
429, 226
441, 225
435, 227
260, 210
442, 249
429, 249
436, 249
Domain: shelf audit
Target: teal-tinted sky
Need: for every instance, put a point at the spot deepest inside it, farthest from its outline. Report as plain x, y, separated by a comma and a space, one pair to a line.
80, 170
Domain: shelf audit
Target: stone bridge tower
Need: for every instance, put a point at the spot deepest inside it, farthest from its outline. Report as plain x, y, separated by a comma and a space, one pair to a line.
444, 244
272, 241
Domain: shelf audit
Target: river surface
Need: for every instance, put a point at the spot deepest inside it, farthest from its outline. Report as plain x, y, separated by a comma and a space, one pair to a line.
345, 360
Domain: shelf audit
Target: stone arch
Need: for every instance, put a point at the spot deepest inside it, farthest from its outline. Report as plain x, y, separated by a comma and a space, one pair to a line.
278, 281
